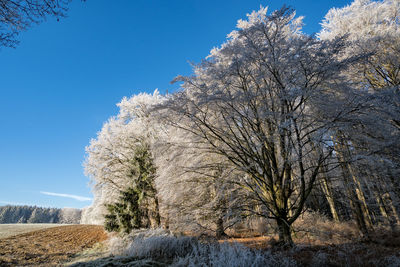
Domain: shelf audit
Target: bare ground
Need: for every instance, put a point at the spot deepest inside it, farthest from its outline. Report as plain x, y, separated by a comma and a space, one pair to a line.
7, 230
49, 247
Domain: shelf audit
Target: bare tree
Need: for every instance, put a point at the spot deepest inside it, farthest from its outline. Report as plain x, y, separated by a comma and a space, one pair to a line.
254, 101
19, 15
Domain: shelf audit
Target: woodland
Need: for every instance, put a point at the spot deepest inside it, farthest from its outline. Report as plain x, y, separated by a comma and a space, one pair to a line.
34, 214
273, 125
278, 136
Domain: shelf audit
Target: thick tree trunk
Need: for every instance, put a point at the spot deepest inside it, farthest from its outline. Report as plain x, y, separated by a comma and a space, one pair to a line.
285, 234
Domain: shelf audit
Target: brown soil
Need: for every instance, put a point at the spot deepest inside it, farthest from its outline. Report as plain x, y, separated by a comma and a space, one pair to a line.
49, 247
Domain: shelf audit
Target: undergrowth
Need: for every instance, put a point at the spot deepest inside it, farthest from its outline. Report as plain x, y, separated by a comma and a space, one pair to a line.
163, 247
319, 242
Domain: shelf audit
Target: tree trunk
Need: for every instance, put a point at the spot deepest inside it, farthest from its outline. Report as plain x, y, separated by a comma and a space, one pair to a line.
395, 187
326, 189
353, 187
391, 211
166, 222
157, 216
326, 185
379, 198
382, 208
388, 196
220, 232
359, 216
285, 235
355, 204
360, 196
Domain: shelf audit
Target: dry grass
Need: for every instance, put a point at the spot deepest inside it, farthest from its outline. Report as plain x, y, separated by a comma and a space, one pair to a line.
382, 250
315, 229
49, 247
98, 251
7, 230
322, 242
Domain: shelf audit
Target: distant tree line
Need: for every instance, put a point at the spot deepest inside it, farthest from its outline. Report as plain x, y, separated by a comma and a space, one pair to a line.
33, 214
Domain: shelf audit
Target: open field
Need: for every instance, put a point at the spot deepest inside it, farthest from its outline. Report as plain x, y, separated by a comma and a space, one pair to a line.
50, 246
7, 230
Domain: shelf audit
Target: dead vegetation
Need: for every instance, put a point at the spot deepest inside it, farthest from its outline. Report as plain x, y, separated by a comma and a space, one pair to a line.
322, 242
319, 242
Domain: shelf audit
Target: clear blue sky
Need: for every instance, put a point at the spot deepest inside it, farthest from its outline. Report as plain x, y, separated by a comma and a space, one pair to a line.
63, 80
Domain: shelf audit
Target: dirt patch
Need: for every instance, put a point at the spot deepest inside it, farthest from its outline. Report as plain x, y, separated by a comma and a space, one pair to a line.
7, 230
49, 247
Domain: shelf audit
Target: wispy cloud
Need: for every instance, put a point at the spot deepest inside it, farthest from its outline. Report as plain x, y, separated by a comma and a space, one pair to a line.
79, 198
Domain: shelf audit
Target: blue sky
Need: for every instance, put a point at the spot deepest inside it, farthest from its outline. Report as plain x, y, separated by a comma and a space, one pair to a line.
63, 81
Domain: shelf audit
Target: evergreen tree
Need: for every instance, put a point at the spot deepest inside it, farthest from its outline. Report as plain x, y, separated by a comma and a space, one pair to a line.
137, 206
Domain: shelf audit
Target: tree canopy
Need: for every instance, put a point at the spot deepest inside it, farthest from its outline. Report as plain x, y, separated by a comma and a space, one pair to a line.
272, 123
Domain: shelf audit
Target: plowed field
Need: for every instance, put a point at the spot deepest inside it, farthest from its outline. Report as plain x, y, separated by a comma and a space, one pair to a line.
49, 247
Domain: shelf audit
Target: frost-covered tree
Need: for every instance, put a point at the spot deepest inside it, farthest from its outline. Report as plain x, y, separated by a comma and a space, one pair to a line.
120, 158
133, 210
70, 215
253, 102
195, 186
373, 27
33, 214
369, 152
269, 124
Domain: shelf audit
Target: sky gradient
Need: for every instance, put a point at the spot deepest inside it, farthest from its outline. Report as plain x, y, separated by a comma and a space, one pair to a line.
63, 80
